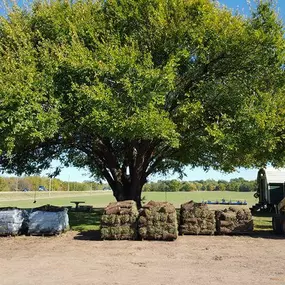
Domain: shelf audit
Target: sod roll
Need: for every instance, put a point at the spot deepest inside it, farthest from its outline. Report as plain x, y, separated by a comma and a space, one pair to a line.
158, 221
119, 221
196, 219
234, 221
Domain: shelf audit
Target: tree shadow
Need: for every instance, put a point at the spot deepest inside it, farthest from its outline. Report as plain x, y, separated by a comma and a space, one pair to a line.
87, 223
266, 235
92, 235
263, 214
263, 227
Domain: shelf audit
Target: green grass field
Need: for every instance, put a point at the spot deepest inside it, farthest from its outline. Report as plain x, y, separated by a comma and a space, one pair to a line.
99, 199
26, 199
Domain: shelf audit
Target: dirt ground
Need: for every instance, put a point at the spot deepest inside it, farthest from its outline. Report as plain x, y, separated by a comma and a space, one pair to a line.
77, 259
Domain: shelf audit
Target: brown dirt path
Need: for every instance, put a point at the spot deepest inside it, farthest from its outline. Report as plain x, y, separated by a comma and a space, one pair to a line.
71, 259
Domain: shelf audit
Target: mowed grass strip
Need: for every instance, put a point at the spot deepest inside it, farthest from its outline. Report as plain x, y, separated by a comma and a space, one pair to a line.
102, 198
45, 194
178, 198
26, 199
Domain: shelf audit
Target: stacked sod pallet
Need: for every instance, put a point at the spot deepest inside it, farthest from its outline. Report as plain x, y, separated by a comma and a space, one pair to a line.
196, 219
234, 221
158, 221
119, 221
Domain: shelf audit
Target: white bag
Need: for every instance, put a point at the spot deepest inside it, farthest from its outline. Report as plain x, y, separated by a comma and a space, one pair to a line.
46, 222
11, 221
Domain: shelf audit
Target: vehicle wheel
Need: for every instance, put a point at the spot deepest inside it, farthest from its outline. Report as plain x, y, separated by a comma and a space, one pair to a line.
283, 226
277, 225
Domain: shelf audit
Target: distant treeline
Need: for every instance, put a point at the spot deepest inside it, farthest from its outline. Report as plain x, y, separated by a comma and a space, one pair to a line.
31, 183
237, 184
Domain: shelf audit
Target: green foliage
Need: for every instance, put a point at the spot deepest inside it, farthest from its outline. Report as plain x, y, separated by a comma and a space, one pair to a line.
236, 185
148, 86
33, 182
3, 185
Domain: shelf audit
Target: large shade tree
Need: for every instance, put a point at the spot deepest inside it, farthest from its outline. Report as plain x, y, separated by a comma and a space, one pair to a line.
129, 88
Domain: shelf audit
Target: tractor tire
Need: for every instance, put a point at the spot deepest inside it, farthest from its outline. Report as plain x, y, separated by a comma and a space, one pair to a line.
277, 225
283, 226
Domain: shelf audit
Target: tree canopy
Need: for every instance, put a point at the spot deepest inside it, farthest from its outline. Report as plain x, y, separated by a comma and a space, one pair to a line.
128, 88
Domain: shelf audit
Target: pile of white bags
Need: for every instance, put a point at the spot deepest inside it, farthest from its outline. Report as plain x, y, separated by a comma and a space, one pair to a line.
11, 220
45, 220
48, 220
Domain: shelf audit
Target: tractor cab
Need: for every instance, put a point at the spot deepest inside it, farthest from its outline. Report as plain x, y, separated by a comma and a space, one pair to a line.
270, 189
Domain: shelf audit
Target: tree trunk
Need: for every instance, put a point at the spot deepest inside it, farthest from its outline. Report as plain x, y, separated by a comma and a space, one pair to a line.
125, 186
128, 191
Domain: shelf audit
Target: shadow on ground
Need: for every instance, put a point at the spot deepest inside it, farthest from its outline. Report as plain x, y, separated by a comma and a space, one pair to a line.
89, 235
266, 234
94, 235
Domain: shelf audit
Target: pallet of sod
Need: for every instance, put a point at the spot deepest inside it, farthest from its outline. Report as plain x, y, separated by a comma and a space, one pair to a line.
196, 219
234, 220
158, 221
119, 221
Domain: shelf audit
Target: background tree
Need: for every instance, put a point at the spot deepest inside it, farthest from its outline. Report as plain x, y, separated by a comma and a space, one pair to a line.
4, 186
130, 88
222, 184
23, 184
188, 186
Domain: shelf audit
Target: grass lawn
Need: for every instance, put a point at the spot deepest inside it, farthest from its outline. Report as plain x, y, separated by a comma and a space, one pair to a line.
26, 199
80, 221
177, 198
99, 199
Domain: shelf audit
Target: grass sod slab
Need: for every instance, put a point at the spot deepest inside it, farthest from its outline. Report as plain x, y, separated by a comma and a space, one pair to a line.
119, 221
196, 219
234, 221
158, 221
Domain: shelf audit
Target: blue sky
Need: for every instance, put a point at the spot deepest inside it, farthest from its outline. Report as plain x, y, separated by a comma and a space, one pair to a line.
242, 6
74, 174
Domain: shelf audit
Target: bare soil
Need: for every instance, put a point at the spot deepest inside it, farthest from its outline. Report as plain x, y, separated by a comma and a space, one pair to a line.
79, 259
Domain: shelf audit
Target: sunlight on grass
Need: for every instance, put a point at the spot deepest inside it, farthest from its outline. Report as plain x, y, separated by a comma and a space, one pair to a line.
80, 221
262, 223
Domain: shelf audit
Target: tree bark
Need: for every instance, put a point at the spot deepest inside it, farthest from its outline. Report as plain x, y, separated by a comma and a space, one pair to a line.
137, 157
128, 191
